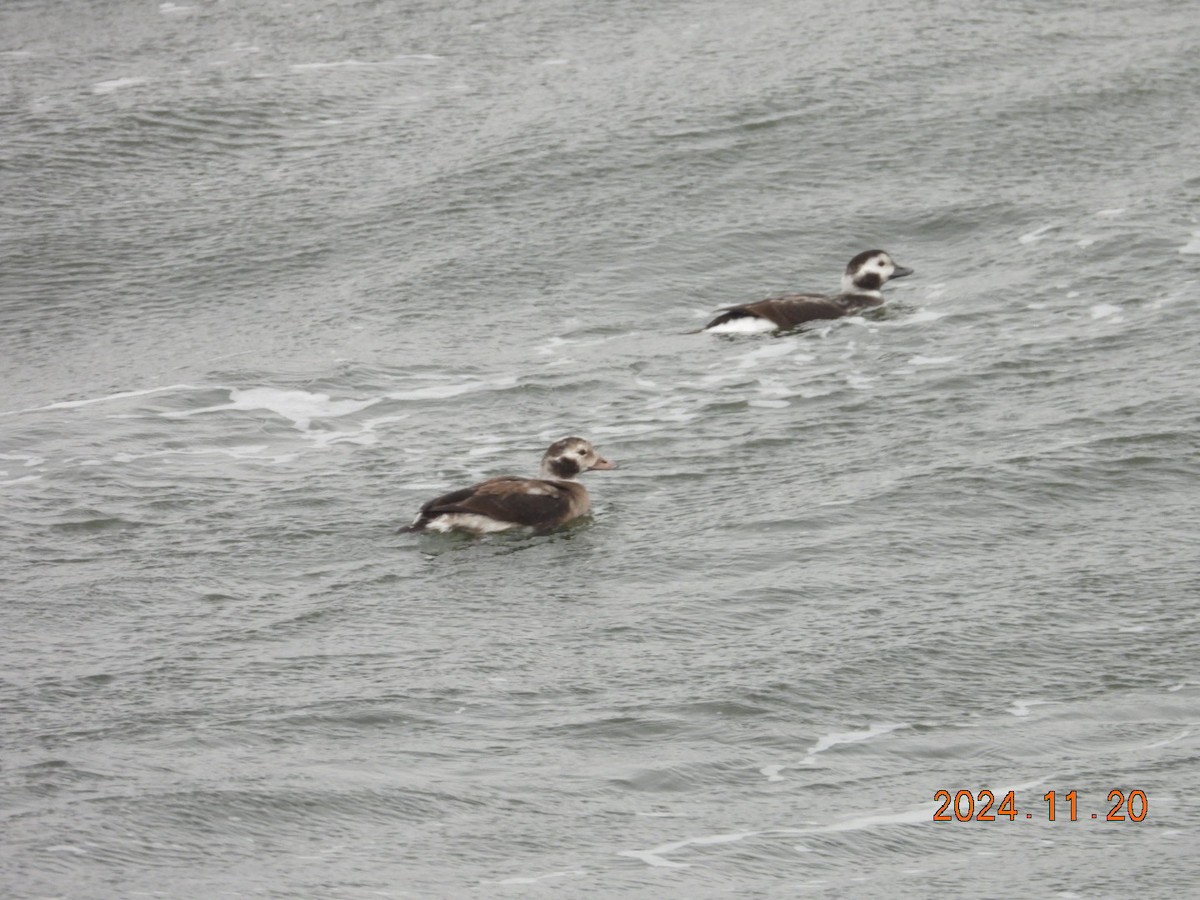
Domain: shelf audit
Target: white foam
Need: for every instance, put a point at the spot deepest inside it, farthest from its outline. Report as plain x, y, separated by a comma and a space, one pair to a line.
1192, 247
22, 480
365, 435
850, 737
932, 360
1106, 310
553, 346
23, 459
487, 449
423, 486
771, 387
655, 855
444, 391
536, 878
246, 451
341, 64
116, 84
1168, 741
72, 404
768, 404
300, 407
923, 315
327, 438
1020, 708
1110, 213
907, 817
1037, 234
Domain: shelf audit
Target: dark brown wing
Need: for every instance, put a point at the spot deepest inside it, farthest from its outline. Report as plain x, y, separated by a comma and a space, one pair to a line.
784, 312
523, 501
791, 310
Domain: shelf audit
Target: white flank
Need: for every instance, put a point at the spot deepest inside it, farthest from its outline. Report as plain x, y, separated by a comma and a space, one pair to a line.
743, 325
468, 522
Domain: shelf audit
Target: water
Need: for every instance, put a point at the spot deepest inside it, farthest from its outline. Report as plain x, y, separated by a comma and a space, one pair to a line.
274, 274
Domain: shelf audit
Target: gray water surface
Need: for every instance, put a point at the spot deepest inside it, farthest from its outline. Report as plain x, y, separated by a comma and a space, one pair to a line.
273, 274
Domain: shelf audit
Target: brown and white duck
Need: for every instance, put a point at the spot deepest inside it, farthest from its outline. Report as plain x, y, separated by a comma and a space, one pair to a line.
865, 275
554, 498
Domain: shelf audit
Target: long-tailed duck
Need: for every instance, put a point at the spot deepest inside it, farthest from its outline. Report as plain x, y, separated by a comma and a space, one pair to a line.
861, 283
499, 504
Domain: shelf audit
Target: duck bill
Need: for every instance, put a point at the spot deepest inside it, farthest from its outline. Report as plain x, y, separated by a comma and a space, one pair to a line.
602, 463
901, 271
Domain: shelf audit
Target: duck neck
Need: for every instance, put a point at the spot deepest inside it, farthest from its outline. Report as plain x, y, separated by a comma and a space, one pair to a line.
559, 469
868, 284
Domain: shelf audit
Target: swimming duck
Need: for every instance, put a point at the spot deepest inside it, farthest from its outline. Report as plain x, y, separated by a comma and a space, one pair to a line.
554, 498
861, 283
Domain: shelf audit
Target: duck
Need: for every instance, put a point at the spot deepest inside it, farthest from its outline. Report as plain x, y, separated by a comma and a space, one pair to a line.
509, 502
862, 281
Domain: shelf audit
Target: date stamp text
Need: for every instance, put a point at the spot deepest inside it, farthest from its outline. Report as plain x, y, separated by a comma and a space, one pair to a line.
981, 806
